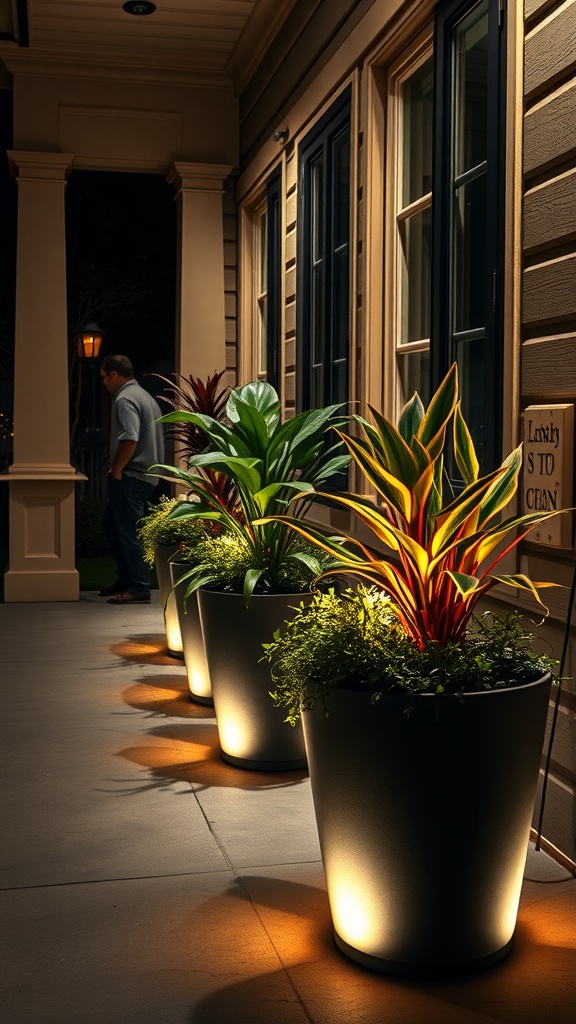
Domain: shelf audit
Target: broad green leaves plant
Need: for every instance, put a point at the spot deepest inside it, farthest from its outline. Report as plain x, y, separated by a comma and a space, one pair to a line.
272, 464
442, 554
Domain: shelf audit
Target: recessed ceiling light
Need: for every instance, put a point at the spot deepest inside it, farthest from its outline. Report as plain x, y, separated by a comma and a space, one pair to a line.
139, 7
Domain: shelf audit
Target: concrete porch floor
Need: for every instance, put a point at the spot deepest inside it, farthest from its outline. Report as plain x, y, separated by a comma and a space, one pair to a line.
146, 882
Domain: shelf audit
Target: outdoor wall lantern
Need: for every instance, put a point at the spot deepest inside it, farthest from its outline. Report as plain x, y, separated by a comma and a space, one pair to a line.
89, 341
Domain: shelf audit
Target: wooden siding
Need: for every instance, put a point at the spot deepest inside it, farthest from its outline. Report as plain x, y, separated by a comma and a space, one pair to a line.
549, 210
550, 213
550, 291
550, 131
549, 368
311, 34
550, 53
548, 355
230, 287
289, 355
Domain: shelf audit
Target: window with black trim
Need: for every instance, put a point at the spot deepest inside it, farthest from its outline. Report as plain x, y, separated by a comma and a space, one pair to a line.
468, 212
445, 224
323, 328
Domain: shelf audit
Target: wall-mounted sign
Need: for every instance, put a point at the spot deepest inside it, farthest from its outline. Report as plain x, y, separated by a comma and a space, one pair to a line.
548, 470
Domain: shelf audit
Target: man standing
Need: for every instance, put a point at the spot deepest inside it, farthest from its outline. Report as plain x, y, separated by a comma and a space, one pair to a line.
136, 444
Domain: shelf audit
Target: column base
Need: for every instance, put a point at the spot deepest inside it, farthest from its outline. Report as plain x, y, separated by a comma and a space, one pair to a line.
41, 513
28, 585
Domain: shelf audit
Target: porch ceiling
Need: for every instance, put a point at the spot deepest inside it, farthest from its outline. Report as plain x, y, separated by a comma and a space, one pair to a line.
216, 38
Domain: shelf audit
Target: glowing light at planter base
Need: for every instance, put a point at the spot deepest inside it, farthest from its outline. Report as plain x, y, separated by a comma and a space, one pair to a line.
199, 682
352, 915
173, 634
505, 921
233, 738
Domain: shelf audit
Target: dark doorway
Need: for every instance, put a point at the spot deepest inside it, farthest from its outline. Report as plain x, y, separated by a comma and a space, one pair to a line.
121, 272
121, 263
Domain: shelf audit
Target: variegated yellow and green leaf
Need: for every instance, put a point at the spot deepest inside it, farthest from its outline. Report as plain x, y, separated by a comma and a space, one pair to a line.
464, 450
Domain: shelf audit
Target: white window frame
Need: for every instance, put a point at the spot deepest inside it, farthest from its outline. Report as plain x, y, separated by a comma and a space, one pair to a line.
395, 214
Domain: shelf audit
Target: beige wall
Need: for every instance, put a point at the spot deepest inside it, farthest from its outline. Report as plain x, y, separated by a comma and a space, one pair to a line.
540, 347
120, 125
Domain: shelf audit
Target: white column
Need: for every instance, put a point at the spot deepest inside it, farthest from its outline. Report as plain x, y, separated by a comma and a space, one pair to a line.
41, 480
200, 317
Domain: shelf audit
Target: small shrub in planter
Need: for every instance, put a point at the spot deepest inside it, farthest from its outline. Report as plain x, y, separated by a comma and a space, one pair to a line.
157, 527
355, 639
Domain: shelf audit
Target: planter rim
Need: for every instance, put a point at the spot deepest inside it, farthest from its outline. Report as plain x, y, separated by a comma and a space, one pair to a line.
419, 695
268, 593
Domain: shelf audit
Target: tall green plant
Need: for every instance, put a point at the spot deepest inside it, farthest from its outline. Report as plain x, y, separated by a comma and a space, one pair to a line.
442, 552
270, 463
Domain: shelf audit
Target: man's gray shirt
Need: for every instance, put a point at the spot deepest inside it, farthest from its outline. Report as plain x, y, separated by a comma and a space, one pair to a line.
134, 412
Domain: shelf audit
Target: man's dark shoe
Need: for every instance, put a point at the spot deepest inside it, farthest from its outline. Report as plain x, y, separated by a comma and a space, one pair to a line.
112, 588
127, 598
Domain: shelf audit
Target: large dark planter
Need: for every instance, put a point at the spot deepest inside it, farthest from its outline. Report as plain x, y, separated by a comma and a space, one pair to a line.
424, 822
163, 553
252, 732
192, 642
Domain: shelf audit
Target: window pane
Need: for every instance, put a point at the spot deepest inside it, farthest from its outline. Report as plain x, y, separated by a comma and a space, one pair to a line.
341, 196
469, 258
317, 314
324, 237
417, 92
414, 375
340, 305
415, 277
263, 221
262, 298
317, 206
477, 405
471, 89
339, 381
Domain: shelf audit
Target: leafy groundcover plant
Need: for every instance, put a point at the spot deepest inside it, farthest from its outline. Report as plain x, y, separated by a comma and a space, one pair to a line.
225, 560
440, 550
269, 463
355, 639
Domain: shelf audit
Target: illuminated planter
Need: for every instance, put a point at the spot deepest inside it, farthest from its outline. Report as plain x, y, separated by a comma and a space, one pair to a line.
192, 642
163, 553
252, 732
424, 822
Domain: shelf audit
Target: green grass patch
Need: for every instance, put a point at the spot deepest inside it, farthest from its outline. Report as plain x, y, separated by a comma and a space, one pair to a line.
95, 572
98, 572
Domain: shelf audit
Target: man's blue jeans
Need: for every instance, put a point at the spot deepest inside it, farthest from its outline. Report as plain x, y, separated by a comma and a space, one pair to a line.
127, 503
